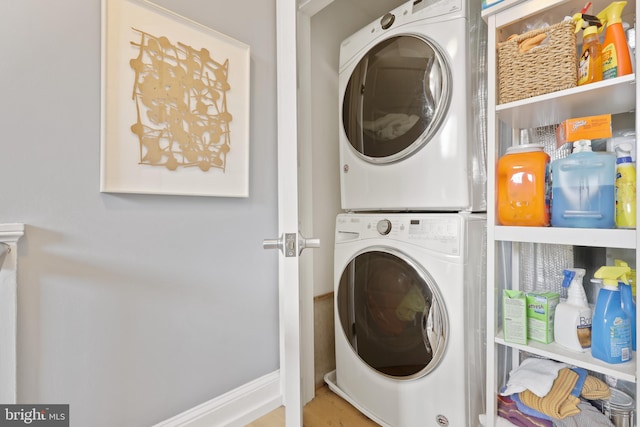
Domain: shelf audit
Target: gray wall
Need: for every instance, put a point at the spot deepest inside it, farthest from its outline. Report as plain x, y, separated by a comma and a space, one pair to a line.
132, 308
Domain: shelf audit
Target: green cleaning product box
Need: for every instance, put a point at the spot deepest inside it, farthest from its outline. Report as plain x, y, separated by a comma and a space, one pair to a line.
514, 316
541, 308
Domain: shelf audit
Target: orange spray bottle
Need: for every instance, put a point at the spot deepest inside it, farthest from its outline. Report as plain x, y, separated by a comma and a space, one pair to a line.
616, 60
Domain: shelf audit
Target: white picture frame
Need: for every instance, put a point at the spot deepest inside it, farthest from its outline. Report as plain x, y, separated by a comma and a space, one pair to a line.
175, 105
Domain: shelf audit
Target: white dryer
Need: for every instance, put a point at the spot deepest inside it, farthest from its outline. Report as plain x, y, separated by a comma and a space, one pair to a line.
412, 110
409, 316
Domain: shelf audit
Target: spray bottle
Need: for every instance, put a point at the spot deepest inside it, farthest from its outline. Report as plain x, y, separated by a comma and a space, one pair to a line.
590, 63
611, 328
572, 323
625, 187
616, 60
628, 304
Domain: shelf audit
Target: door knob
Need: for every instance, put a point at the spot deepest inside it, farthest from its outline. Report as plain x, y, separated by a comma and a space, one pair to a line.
287, 243
304, 243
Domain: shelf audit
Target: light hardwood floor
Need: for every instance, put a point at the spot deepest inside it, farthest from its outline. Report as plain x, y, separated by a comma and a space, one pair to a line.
326, 409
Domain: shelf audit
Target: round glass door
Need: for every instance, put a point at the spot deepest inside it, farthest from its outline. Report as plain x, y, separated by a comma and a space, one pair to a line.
396, 98
392, 314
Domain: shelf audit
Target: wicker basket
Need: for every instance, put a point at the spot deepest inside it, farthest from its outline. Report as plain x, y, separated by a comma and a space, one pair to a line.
550, 67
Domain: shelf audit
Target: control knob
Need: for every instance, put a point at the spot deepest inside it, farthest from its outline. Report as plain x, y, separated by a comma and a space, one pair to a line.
384, 227
387, 21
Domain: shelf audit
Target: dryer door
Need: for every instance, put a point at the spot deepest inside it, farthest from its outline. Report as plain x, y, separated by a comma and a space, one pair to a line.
396, 98
392, 314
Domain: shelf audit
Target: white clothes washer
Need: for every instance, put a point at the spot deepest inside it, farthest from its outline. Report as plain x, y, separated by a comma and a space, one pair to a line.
410, 316
412, 110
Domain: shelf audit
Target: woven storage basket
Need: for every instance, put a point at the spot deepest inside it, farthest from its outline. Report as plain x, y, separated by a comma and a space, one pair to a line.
549, 67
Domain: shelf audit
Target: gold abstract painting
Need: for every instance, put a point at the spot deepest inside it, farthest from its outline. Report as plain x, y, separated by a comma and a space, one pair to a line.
180, 93
175, 104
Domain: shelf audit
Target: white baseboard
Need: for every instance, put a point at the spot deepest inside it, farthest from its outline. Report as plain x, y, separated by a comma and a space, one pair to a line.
236, 408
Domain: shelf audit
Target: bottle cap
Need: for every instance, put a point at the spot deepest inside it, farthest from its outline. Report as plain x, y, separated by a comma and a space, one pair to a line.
590, 30
582, 145
523, 148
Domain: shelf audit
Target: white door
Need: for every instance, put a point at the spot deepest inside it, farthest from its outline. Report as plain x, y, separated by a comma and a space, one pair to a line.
290, 242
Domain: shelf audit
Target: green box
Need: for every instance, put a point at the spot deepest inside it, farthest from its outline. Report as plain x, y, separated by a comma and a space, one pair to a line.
514, 316
541, 310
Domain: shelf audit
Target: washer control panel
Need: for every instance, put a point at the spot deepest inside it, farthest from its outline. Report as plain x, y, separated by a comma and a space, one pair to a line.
442, 233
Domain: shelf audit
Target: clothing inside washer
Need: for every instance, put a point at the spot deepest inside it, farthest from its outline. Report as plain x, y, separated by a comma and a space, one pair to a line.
389, 314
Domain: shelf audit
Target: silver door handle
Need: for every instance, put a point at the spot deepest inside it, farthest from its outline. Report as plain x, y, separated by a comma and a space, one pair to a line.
304, 243
288, 241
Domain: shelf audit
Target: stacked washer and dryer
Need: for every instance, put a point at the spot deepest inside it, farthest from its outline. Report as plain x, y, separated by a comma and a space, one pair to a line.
409, 250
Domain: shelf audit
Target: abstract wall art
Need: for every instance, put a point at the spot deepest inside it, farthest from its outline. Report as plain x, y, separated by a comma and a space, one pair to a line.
175, 105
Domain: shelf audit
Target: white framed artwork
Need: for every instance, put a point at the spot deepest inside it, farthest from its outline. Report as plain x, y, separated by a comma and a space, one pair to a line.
175, 105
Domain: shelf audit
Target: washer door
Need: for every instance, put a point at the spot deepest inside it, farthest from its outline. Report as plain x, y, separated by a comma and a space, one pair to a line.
396, 98
392, 314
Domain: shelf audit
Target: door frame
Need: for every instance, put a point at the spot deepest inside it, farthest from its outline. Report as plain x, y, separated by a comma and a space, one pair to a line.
297, 41
305, 11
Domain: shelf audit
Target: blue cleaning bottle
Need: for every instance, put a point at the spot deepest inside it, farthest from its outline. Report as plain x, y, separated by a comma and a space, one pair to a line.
611, 326
628, 304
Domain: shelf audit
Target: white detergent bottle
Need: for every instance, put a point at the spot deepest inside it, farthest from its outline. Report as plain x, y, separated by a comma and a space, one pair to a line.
572, 322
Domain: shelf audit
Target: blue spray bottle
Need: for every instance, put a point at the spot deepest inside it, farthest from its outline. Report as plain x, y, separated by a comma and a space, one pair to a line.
611, 326
628, 304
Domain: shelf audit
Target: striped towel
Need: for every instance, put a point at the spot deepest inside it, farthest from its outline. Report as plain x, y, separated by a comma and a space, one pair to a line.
595, 389
559, 402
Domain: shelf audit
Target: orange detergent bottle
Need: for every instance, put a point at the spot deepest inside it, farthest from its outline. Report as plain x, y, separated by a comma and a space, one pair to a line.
616, 60
523, 186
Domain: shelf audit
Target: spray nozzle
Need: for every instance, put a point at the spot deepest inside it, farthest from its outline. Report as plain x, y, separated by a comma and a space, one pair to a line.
584, 21
624, 150
573, 280
568, 277
611, 275
612, 13
621, 263
570, 274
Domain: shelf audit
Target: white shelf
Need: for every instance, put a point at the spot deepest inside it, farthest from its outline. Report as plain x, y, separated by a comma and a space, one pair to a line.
605, 238
497, 7
624, 371
613, 96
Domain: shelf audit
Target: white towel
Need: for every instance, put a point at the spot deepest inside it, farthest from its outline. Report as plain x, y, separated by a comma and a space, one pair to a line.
392, 125
536, 375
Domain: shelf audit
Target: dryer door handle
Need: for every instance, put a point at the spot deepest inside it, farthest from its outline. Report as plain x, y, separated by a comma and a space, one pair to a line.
434, 328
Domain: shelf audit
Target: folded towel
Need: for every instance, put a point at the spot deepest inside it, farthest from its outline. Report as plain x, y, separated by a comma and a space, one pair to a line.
595, 389
529, 411
582, 378
589, 416
508, 410
535, 375
559, 402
